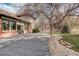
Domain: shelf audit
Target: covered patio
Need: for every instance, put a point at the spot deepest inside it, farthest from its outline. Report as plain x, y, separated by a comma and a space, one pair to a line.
11, 25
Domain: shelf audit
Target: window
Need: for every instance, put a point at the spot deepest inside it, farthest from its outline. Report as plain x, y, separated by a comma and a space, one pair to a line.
13, 25
5, 25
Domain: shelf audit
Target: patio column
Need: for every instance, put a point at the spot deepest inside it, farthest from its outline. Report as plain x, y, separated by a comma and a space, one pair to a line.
30, 29
0, 25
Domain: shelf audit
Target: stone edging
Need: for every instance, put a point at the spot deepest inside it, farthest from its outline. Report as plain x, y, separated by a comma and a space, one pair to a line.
66, 44
58, 49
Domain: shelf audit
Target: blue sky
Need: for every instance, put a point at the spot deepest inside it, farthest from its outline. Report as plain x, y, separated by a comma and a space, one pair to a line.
7, 7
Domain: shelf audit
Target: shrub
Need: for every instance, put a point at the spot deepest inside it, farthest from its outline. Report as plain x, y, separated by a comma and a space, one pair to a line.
65, 29
35, 30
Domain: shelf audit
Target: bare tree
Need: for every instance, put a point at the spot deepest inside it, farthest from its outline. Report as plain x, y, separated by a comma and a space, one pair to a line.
48, 10
52, 12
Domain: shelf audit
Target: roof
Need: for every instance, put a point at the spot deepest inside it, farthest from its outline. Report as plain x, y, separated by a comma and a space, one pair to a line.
11, 15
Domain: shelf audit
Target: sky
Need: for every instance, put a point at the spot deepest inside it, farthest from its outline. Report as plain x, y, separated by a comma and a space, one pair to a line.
8, 7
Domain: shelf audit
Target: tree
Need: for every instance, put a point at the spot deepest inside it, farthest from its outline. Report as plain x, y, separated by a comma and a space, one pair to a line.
51, 11
48, 10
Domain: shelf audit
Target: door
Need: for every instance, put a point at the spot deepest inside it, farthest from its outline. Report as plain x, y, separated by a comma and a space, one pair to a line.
20, 29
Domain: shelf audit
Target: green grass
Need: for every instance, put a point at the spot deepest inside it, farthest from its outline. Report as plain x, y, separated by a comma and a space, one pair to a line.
74, 40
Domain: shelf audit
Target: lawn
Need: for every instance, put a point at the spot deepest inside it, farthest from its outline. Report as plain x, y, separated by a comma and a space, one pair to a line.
74, 40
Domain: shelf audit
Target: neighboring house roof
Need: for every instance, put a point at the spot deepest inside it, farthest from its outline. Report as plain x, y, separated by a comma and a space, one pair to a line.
26, 18
10, 15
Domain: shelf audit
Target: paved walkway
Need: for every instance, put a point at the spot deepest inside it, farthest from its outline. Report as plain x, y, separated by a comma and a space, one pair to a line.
25, 45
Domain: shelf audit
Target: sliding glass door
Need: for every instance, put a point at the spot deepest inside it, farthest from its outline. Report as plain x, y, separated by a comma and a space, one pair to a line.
20, 29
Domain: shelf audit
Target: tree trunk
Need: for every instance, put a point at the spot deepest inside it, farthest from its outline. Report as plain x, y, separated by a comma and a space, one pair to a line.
50, 29
50, 26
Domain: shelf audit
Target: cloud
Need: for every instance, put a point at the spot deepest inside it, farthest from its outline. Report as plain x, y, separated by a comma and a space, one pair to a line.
7, 7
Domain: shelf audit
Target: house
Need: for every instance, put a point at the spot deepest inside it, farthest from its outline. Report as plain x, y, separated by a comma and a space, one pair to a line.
11, 25
29, 19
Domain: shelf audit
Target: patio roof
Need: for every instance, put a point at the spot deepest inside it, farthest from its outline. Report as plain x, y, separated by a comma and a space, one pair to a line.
11, 15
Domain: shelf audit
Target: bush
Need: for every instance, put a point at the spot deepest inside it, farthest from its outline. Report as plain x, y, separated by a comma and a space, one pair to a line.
65, 29
35, 30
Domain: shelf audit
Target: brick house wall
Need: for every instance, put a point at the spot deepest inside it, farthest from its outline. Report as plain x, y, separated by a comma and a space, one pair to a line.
8, 34
0, 25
